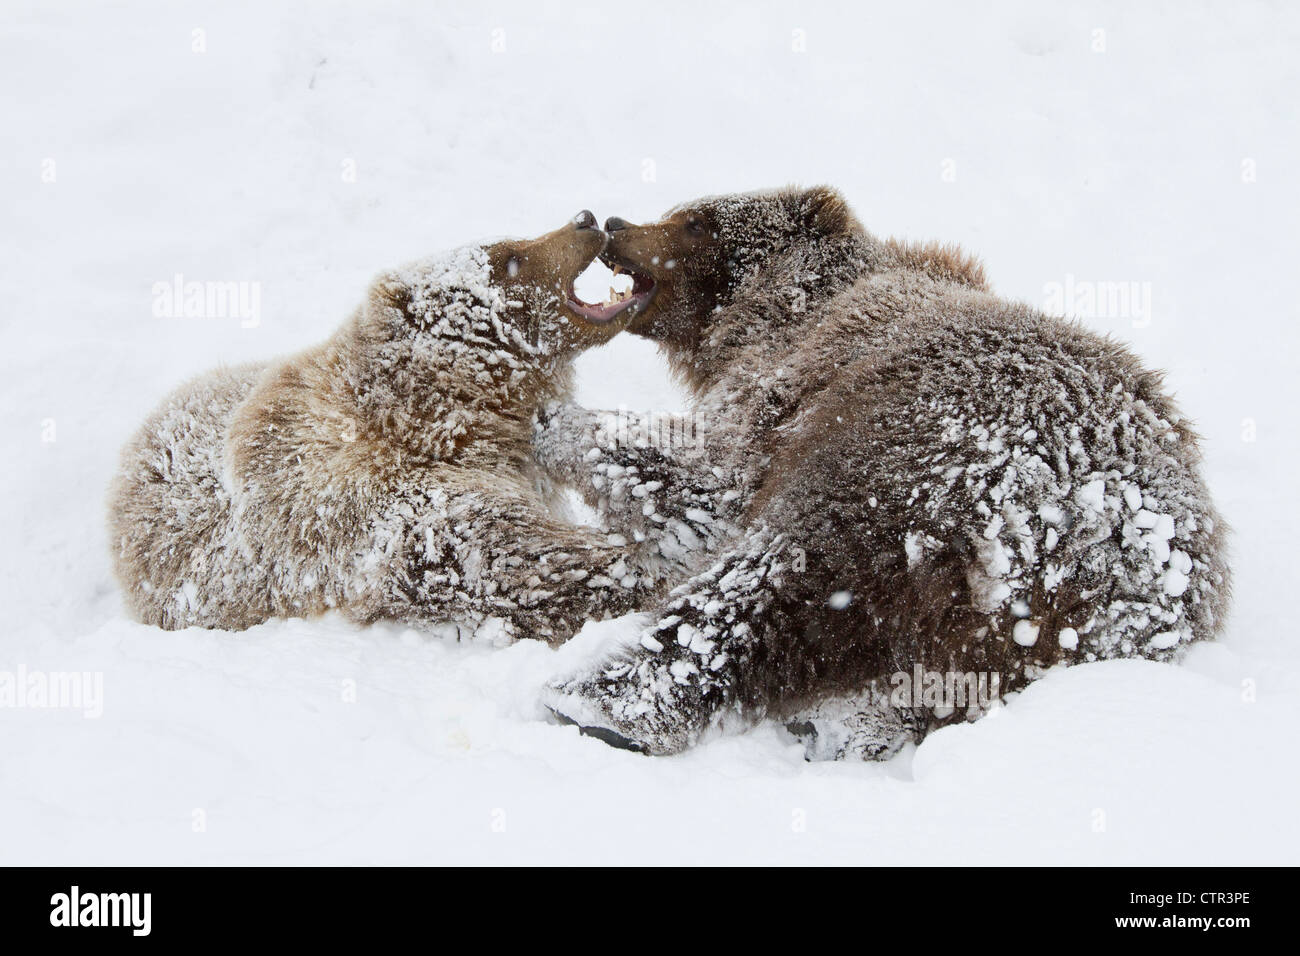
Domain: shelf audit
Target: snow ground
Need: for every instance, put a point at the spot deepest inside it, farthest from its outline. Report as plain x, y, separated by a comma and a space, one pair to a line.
1129, 164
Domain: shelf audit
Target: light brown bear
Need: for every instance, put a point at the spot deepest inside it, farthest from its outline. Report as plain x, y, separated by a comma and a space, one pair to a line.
888, 468
386, 472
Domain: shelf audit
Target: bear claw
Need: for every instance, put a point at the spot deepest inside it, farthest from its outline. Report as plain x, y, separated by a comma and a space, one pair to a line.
603, 734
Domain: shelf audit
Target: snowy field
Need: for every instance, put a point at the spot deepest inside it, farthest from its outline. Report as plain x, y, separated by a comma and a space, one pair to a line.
305, 147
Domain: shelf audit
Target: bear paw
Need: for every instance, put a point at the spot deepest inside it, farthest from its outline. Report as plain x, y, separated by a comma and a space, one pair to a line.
637, 703
841, 730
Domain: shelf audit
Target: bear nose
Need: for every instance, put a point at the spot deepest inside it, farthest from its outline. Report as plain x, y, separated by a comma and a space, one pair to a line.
613, 224
584, 220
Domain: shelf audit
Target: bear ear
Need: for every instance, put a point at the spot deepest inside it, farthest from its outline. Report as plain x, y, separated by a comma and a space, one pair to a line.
390, 290
823, 210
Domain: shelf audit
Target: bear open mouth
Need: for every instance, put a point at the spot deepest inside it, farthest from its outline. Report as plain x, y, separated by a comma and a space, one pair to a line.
629, 291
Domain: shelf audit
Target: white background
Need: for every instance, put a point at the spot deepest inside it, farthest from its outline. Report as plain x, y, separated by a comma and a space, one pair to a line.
1124, 164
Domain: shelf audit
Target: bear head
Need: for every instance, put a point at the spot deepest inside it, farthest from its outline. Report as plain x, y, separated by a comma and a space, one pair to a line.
694, 262
535, 277
513, 297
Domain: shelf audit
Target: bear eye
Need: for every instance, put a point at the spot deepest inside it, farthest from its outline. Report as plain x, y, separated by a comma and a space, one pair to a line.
695, 226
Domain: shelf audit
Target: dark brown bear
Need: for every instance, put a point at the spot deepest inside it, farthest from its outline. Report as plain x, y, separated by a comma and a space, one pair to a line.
887, 470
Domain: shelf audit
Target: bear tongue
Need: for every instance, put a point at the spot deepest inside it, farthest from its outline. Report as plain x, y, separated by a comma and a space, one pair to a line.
601, 312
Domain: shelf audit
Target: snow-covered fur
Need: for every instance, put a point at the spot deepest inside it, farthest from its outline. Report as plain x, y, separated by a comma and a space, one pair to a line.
387, 472
891, 470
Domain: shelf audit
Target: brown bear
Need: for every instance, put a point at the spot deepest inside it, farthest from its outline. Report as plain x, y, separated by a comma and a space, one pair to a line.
892, 471
388, 471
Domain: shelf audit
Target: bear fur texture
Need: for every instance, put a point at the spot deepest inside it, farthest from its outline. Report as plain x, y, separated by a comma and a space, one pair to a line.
890, 470
387, 472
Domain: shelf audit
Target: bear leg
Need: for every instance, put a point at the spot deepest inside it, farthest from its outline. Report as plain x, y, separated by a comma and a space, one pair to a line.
697, 668
646, 475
